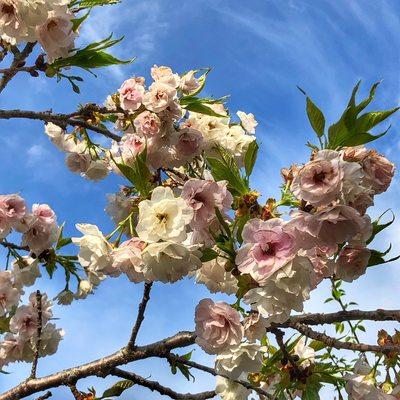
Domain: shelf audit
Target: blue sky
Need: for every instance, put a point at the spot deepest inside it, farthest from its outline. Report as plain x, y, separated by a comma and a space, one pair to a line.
259, 51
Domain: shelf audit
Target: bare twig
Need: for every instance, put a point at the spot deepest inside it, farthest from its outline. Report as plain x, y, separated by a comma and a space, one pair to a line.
16, 65
45, 396
341, 316
177, 359
155, 386
58, 119
337, 344
38, 334
75, 392
140, 316
13, 246
298, 372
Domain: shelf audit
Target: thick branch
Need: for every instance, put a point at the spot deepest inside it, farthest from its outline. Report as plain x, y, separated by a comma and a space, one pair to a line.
101, 367
140, 316
338, 344
16, 65
60, 119
155, 386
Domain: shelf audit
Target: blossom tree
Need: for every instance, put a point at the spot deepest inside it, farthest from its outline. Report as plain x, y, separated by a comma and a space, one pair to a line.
187, 211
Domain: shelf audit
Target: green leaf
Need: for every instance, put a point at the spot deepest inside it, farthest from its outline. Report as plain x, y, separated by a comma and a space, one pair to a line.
317, 345
77, 22
117, 389
316, 117
208, 255
377, 257
51, 268
352, 129
202, 81
250, 157
377, 227
198, 106
225, 168
92, 56
138, 174
93, 3
4, 324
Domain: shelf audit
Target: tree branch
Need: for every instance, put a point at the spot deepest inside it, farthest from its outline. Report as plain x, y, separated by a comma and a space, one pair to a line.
338, 344
59, 119
177, 359
140, 316
38, 334
100, 367
155, 386
341, 316
16, 65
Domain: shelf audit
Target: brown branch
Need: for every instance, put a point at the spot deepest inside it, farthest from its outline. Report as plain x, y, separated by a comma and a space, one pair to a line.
45, 396
338, 344
16, 65
75, 392
173, 358
140, 316
155, 386
341, 316
13, 246
38, 334
298, 372
58, 119
100, 367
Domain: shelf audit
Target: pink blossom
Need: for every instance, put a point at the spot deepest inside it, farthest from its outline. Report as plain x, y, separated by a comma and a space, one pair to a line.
322, 267
379, 171
12, 208
203, 196
126, 259
131, 94
9, 295
78, 163
159, 96
352, 262
268, 246
56, 35
148, 123
40, 236
319, 181
165, 75
217, 326
130, 146
44, 213
189, 143
329, 227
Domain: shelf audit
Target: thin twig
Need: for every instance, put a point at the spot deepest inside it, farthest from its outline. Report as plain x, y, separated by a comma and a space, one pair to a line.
16, 65
38, 334
141, 312
75, 392
13, 246
279, 339
45, 396
155, 386
58, 119
338, 344
177, 359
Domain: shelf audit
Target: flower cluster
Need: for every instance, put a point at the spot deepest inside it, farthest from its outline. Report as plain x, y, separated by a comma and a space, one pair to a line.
47, 21
20, 343
39, 227
186, 209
